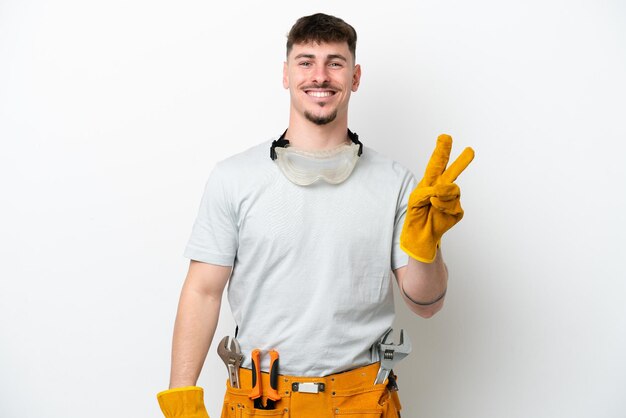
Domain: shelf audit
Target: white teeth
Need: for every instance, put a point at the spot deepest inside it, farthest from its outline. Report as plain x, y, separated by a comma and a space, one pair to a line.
319, 93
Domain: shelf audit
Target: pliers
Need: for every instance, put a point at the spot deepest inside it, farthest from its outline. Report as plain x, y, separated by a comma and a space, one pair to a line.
272, 394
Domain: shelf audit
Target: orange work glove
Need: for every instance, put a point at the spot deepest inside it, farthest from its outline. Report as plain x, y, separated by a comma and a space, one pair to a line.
434, 205
187, 402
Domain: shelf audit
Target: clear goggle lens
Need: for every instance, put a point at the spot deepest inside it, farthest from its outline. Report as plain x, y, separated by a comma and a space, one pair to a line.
306, 167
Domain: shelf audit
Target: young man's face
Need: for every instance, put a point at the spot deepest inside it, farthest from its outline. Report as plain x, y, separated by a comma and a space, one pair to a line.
320, 78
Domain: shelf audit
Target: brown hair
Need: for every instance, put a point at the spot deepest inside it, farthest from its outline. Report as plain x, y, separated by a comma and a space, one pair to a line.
321, 28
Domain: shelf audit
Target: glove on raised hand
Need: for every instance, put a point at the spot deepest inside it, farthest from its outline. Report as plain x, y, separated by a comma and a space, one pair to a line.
186, 402
434, 205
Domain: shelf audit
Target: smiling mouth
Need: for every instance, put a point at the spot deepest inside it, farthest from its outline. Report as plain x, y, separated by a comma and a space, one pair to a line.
320, 94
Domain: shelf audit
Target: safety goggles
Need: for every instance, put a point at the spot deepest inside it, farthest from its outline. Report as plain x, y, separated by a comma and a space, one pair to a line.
304, 167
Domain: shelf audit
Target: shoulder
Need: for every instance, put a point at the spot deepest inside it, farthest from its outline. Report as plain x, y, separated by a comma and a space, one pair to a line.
249, 169
257, 155
381, 164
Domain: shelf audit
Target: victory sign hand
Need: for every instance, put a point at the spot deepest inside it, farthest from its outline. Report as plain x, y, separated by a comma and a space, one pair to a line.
435, 204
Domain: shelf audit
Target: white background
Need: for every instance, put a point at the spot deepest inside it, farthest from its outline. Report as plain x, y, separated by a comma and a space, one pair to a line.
113, 113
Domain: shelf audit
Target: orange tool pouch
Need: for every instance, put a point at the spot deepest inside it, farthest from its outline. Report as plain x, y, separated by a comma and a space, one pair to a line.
350, 394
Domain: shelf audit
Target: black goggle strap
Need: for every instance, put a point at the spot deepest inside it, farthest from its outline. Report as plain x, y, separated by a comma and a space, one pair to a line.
355, 138
280, 142
283, 143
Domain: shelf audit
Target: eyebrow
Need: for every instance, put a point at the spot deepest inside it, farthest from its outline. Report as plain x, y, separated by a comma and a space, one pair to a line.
329, 56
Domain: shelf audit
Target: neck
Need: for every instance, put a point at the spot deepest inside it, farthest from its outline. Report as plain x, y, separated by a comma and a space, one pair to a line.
309, 136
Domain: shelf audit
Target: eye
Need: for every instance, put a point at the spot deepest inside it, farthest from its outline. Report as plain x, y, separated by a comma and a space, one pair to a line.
335, 65
304, 64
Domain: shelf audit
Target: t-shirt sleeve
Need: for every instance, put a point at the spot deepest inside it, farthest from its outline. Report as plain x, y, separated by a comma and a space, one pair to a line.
214, 235
398, 257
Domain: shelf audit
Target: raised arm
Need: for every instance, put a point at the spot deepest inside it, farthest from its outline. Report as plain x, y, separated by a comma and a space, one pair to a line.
423, 285
434, 207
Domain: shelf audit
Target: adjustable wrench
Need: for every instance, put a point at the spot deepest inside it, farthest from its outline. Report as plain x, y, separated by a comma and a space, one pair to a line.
232, 356
390, 354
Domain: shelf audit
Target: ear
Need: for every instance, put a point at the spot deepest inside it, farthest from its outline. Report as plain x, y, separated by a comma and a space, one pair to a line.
285, 76
356, 77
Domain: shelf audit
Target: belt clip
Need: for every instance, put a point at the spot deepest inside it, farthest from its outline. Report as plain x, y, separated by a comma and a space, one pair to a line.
308, 387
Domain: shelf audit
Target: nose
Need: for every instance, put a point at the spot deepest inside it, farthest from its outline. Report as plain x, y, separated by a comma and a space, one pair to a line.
320, 75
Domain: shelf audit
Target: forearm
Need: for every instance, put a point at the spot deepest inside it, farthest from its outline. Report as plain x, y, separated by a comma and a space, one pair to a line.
423, 285
195, 325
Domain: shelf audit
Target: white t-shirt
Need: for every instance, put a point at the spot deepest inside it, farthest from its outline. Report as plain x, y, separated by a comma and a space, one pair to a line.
311, 264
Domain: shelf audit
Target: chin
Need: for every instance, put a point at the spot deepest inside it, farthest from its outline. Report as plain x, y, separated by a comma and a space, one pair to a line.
321, 119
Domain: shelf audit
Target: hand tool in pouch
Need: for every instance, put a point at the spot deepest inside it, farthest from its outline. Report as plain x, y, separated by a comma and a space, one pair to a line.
390, 354
257, 391
232, 356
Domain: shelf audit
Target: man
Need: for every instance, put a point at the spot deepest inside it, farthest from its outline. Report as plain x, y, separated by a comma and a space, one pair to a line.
308, 239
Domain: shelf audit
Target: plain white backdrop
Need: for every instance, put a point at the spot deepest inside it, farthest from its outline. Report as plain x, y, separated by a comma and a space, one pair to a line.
112, 115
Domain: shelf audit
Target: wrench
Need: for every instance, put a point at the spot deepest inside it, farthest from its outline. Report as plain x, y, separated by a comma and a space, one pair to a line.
390, 354
230, 351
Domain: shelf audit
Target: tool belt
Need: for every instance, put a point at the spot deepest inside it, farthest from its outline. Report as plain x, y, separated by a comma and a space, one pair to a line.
349, 394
